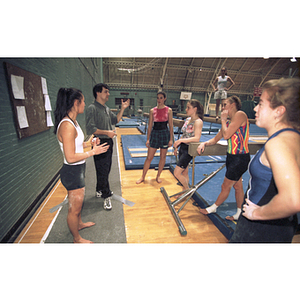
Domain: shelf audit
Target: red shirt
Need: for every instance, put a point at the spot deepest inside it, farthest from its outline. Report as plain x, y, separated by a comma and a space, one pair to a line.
161, 115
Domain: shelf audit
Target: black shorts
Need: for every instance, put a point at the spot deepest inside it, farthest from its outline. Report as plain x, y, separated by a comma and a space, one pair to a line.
160, 138
73, 176
236, 165
184, 157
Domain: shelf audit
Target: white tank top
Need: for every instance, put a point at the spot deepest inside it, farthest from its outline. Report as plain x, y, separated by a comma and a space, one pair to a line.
78, 142
222, 82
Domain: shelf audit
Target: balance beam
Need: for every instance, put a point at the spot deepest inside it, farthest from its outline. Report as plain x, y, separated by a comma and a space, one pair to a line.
185, 195
212, 119
221, 148
217, 149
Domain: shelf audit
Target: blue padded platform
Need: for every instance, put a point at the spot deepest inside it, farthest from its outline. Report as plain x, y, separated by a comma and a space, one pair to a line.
210, 129
134, 141
128, 123
255, 130
139, 141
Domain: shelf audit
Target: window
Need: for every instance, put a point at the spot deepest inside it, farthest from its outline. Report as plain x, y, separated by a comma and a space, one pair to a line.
118, 101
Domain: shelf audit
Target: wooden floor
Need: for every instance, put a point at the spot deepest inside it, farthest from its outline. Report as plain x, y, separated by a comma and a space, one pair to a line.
148, 221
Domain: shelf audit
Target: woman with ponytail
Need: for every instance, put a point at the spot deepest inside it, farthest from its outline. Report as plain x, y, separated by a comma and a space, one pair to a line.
191, 129
236, 132
70, 103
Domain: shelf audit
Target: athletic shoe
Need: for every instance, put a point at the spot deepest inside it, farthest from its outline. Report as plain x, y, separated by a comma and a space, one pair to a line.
107, 203
98, 194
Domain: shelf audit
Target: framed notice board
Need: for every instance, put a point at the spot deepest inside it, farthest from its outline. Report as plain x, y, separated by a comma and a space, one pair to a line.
28, 102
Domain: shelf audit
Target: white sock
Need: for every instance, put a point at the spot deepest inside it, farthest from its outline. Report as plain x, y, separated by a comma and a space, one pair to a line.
212, 208
237, 214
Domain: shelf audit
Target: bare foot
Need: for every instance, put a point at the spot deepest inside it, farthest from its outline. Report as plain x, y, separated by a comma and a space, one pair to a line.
230, 218
158, 180
140, 181
82, 241
203, 211
177, 196
85, 225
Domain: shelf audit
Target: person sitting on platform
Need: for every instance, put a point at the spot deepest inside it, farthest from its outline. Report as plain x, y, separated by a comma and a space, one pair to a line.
191, 133
273, 196
158, 135
236, 132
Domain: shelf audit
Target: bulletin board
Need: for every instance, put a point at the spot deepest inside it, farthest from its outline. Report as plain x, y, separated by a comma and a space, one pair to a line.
27, 93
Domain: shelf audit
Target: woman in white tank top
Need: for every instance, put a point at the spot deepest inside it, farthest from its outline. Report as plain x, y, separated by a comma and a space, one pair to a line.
70, 103
221, 90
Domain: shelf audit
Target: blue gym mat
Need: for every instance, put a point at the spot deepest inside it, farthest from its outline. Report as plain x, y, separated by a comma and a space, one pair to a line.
138, 141
207, 128
133, 142
131, 123
208, 193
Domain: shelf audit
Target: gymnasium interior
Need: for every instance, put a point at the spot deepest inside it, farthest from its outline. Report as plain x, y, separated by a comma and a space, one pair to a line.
31, 158
33, 202
144, 248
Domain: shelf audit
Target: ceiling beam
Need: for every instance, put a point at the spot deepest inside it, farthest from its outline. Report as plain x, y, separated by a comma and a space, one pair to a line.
274, 65
188, 71
179, 67
162, 78
173, 88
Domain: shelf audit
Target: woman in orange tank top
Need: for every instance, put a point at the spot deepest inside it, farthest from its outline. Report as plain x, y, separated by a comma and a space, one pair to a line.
236, 132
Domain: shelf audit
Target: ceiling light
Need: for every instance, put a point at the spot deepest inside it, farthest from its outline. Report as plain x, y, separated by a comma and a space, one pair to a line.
293, 59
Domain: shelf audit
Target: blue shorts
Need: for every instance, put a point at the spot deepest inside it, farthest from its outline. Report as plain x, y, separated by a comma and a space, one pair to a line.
73, 176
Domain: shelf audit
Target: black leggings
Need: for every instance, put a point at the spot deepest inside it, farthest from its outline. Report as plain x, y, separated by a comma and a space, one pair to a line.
103, 163
236, 165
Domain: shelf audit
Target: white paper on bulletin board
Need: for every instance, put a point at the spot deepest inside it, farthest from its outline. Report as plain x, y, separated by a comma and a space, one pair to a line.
17, 83
49, 119
44, 86
22, 117
47, 103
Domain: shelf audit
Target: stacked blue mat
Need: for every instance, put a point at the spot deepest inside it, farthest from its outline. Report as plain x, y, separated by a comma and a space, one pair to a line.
129, 123
139, 141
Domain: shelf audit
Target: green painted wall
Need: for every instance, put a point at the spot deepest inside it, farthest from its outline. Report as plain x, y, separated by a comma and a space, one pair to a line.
149, 98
